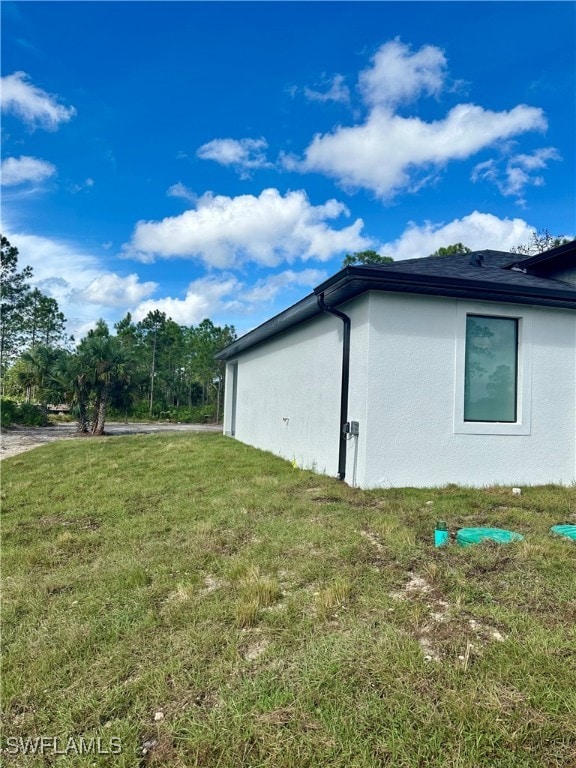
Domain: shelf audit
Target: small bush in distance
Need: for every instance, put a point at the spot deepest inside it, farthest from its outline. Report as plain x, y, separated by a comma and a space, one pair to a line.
22, 414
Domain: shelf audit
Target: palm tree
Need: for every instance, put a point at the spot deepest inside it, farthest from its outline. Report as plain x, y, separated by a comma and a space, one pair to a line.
74, 380
36, 375
106, 369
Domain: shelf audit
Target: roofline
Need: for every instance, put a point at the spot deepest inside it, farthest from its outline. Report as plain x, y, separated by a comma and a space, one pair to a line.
540, 258
379, 279
362, 279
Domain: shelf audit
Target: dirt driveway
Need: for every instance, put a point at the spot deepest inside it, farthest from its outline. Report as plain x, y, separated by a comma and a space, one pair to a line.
19, 439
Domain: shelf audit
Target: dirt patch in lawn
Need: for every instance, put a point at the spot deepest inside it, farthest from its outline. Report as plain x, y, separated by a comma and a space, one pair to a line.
16, 440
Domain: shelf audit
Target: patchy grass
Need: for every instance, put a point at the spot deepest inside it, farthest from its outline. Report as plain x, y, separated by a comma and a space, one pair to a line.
208, 605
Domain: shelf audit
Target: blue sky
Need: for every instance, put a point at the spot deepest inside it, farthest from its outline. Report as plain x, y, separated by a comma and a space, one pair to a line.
220, 159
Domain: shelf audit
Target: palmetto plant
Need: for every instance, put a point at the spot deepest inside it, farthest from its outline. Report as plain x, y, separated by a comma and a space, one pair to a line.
97, 373
36, 374
102, 371
74, 380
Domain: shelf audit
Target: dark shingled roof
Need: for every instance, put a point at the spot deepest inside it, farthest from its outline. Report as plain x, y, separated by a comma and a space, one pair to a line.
548, 262
494, 268
480, 275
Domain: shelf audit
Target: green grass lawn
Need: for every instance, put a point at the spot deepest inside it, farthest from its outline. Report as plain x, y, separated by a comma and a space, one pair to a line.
202, 603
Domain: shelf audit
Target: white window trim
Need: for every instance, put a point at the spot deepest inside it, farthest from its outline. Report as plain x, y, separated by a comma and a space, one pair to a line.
524, 382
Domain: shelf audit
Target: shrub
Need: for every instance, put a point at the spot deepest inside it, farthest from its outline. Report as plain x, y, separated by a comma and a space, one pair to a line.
197, 414
8, 410
31, 415
23, 414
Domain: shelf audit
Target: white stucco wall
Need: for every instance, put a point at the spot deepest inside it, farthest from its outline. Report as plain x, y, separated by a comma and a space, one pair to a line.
358, 405
404, 384
412, 379
288, 395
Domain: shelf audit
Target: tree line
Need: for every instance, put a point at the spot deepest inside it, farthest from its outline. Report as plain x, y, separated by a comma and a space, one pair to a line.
153, 368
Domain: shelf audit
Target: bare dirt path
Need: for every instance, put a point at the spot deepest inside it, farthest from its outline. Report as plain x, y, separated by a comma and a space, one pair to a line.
19, 439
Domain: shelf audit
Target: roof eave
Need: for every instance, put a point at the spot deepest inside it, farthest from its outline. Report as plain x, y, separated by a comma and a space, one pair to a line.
354, 281
395, 280
542, 258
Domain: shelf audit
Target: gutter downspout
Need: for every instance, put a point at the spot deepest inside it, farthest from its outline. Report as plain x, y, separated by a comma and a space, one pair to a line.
345, 383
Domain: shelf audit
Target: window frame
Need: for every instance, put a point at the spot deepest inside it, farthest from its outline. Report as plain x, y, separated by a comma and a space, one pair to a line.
516, 323
523, 371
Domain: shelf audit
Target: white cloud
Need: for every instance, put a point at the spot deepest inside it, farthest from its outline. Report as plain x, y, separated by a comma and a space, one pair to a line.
478, 231
518, 172
397, 75
82, 187
268, 229
32, 104
244, 155
205, 297
389, 152
338, 91
537, 160
486, 170
226, 295
19, 170
111, 290
71, 275
180, 190
55, 258
268, 288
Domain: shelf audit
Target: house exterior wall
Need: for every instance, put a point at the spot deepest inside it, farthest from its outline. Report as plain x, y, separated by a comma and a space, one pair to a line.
358, 404
412, 437
288, 395
404, 384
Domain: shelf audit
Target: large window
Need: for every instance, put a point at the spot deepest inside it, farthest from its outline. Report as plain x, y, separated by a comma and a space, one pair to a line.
491, 369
